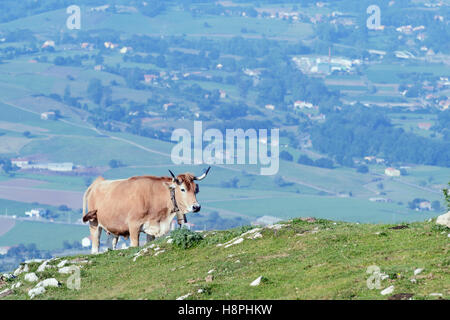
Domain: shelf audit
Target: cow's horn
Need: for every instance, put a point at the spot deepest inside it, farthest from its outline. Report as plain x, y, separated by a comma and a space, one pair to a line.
174, 178
203, 176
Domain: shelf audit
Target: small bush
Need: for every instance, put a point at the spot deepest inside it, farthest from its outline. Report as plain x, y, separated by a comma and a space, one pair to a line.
185, 238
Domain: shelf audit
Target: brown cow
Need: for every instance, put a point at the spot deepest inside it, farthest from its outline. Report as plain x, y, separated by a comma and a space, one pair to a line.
147, 204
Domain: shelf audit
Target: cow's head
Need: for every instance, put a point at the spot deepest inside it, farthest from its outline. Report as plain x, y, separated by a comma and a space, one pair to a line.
186, 191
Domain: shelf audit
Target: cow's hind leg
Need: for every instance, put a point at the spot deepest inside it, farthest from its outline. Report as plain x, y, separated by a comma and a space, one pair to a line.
96, 232
114, 242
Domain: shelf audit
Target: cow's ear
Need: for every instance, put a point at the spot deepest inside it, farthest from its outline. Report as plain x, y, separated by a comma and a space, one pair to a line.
170, 185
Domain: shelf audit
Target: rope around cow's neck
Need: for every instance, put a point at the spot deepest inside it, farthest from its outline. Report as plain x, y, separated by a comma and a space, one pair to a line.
181, 217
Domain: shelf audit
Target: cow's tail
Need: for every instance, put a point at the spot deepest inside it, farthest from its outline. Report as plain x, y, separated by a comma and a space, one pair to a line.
86, 194
90, 216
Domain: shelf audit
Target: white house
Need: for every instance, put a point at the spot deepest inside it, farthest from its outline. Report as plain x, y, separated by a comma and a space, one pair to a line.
19, 162
34, 213
303, 104
49, 115
392, 172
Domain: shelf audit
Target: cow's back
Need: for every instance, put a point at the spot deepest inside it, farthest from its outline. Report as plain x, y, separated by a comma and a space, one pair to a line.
120, 202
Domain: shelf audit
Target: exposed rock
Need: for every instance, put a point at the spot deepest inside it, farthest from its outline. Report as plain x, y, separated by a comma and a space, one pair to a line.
19, 270
79, 260
158, 252
51, 282
387, 291
309, 219
16, 285
43, 266
275, 226
211, 271
184, 297
67, 270
256, 282
5, 293
401, 296
170, 240
31, 277
436, 295
418, 271
237, 241
62, 264
444, 219
36, 291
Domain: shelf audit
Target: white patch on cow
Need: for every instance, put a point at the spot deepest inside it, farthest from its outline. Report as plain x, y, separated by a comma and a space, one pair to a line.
160, 229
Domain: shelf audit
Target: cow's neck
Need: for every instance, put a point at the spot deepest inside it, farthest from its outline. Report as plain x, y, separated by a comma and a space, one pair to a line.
181, 218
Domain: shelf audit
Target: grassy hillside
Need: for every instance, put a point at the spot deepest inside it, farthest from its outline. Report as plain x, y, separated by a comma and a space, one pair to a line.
299, 260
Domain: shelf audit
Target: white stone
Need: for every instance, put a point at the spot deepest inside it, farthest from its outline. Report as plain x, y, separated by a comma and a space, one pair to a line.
36, 291
33, 260
6, 292
159, 252
418, 271
444, 219
31, 277
211, 271
200, 291
51, 282
256, 282
436, 295
388, 290
237, 241
184, 297
62, 264
384, 276
16, 285
43, 266
169, 240
66, 270
413, 280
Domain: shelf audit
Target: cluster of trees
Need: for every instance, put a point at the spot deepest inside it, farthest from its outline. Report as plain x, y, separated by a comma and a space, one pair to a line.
359, 131
321, 162
29, 251
7, 166
414, 204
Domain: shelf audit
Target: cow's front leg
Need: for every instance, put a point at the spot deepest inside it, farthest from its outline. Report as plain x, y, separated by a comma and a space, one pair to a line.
135, 230
96, 232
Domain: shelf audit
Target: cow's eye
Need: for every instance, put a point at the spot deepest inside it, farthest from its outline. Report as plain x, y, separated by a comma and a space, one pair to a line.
183, 190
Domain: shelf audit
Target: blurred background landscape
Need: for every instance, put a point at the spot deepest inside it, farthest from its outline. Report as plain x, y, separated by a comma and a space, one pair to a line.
363, 114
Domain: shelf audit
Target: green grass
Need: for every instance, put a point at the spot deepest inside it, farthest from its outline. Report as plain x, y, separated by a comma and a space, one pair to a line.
319, 260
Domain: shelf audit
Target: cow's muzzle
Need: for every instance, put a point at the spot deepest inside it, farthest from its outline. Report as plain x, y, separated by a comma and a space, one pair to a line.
196, 208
